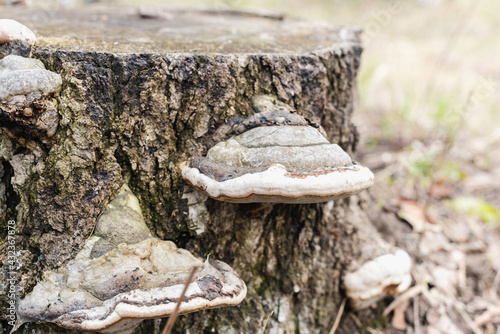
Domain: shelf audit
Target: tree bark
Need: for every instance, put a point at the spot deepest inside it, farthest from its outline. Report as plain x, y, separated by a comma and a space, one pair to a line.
136, 102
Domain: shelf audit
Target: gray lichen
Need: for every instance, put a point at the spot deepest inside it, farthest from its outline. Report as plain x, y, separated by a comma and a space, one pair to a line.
26, 107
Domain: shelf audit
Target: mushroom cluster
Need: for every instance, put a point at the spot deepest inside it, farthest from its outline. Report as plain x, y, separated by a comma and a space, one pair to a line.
27, 108
276, 156
124, 275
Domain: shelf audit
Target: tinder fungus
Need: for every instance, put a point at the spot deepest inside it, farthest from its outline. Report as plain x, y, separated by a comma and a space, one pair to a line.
27, 105
384, 275
276, 156
124, 275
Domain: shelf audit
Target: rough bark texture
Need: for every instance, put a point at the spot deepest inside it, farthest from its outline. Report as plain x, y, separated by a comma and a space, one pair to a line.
133, 112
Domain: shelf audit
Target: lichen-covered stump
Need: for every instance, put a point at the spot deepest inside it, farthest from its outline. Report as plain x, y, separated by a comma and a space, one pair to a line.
138, 97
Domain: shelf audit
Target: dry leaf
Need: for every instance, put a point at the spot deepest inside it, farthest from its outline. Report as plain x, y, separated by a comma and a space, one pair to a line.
412, 212
398, 317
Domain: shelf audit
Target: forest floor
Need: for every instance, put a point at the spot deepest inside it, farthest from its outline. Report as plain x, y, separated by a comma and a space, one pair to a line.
429, 115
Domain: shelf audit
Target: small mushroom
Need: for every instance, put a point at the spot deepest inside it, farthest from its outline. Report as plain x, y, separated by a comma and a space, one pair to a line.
124, 275
11, 30
27, 108
279, 157
378, 269
385, 275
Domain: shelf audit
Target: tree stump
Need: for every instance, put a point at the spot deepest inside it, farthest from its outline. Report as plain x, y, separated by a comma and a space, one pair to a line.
141, 94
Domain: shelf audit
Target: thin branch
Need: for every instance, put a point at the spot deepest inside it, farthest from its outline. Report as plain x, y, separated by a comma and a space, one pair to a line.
416, 315
356, 320
474, 328
171, 320
407, 295
339, 316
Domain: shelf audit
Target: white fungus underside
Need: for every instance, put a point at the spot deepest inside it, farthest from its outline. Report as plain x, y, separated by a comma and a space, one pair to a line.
128, 311
368, 284
275, 185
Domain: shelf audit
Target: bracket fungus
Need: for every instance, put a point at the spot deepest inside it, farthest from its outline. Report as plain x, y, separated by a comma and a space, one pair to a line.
275, 156
124, 275
11, 30
385, 275
27, 108
378, 271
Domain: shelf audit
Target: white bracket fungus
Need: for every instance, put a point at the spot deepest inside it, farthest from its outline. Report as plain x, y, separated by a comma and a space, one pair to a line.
279, 157
382, 276
113, 284
26, 108
11, 30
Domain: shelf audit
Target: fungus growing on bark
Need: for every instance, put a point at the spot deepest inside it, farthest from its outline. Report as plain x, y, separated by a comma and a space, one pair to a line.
385, 275
11, 30
279, 157
26, 106
124, 275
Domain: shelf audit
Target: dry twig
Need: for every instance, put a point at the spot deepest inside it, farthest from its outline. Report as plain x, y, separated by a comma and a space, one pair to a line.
407, 295
416, 315
474, 328
339, 315
171, 320
487, 316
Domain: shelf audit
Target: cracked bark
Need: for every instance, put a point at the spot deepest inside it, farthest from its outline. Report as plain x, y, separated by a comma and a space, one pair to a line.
132, 112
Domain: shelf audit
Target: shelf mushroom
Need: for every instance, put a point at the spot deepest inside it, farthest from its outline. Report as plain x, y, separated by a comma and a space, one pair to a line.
387, 274
123, 275
27, 108
379, 270
276, 156
11, 30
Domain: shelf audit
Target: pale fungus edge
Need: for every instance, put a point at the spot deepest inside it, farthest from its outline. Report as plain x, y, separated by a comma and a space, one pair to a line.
385, 275
277, 185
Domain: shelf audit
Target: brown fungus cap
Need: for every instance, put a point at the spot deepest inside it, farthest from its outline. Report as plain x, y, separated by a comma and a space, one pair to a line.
112, 285
279, 157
